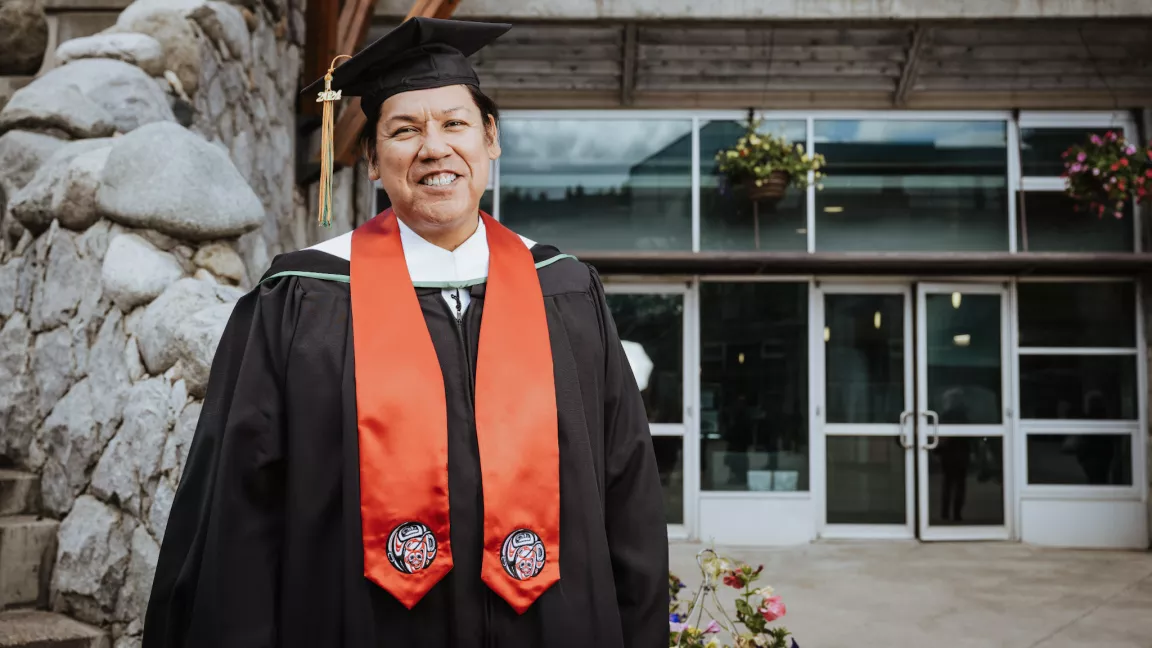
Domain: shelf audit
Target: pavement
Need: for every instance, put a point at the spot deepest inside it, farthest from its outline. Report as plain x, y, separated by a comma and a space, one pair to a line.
950, 595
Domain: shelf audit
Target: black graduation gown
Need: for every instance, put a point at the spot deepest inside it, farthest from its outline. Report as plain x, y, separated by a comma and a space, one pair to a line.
263, 545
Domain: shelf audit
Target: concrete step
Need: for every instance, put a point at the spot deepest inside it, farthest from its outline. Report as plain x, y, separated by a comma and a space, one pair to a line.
38, 629
19, 492
27, 553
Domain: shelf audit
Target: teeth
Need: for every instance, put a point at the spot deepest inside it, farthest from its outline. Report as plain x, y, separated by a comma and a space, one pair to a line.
439, 180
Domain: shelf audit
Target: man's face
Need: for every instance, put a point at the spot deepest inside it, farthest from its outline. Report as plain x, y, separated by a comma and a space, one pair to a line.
432, 155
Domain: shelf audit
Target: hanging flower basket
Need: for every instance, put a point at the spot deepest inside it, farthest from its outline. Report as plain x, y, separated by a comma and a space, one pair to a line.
766, 165
770, 189
1107, 173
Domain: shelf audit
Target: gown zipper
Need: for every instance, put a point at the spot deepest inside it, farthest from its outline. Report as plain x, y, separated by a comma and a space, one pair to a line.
462, 335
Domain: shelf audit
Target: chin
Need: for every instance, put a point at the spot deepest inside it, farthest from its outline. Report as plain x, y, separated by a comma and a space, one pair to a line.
444, 212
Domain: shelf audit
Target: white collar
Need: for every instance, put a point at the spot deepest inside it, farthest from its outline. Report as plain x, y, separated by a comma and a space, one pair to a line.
428, 262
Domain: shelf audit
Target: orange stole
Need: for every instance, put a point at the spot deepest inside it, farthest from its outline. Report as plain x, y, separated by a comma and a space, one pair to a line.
403, 429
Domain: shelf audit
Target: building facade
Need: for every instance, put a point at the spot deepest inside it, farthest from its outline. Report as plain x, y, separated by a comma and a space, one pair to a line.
934, 344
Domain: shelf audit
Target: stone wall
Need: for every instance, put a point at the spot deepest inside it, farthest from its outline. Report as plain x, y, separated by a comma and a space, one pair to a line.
146, 183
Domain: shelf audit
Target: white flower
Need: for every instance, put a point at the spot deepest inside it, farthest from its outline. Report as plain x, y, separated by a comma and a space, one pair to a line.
765, 591
761, 640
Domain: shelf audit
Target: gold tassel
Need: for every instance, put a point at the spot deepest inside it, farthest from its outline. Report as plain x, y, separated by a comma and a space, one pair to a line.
329, 99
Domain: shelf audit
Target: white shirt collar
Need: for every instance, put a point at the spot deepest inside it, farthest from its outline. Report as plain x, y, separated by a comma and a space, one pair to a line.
428, 262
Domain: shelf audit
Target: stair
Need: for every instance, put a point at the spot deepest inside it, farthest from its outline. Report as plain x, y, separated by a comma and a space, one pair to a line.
19, 492
27, 554
39, 629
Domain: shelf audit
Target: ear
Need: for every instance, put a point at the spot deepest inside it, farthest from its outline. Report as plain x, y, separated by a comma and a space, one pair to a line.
373, 171
493, 135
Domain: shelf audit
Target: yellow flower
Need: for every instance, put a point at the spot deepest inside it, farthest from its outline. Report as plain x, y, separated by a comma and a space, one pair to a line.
800, 148
755, 140
804, 158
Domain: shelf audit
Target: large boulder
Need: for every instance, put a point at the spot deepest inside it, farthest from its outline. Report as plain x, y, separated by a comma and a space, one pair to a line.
56, 108
92, 558
196, 340
64, 188
162, 318
25, 31
140, 50
132, 459
125, 95
21, 154
224, 24
166, 178
167, 22
221, 260
135, 272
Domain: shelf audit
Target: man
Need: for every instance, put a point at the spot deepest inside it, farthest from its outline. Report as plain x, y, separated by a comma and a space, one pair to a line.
424, 433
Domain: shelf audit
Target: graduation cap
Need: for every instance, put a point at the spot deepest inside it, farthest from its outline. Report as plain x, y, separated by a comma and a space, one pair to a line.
419, 54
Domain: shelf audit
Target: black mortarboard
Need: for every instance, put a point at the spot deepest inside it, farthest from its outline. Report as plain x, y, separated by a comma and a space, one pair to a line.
420, 53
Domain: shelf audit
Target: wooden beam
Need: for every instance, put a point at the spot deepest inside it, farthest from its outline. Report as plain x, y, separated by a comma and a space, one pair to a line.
351, 119
911, 65
321, 45
628, 67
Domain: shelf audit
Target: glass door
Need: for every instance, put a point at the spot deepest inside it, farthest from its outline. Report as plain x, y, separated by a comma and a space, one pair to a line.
652, 320
868, 414
962, 374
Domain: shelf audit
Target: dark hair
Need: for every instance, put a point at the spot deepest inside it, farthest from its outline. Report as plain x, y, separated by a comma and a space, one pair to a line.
489, 114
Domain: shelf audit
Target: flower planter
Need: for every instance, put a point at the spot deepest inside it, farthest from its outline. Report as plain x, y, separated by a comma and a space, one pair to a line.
771, 189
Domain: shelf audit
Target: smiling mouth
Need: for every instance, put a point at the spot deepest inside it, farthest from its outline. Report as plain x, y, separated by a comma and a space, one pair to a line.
442, 179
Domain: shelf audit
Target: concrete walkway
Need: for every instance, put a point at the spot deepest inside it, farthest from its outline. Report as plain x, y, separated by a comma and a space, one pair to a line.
952, 595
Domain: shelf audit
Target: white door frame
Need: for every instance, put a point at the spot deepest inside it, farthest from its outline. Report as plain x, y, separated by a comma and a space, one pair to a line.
686, 430
928, 433
905, 429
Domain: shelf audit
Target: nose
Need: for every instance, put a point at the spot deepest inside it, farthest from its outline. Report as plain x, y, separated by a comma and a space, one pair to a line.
434, 146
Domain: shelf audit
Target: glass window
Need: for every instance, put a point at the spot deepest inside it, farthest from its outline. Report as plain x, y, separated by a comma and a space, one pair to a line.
1047, 221
727, 219
1078, 314
966, 482
912, 186
866, 480
652, 329
754, 386
1078, 387
964, 357
1080, 459
1041, 148
598, 184
864, 358
670, 463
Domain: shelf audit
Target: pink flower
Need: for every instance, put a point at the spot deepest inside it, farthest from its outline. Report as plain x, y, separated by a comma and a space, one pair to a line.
1119, 215
712, 627
773, 608
1130, 150
676, 627
1096, 140
1083, 156
1076, 168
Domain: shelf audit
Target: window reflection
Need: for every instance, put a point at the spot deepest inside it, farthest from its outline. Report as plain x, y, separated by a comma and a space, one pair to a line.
754, 386
963, 343
1041, 148
912, 185
655, 323
1080, 459
608, 184
1047, 221
966, 482
1078, 387
726, 217
1078, 314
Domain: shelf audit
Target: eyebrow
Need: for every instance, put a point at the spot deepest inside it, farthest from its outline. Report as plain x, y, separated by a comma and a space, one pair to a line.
411, 119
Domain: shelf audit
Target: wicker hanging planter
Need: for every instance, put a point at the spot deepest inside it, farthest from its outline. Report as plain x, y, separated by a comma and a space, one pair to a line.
771, 189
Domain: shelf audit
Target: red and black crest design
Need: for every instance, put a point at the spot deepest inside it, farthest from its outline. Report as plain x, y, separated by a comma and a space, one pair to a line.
411, 547
523, 554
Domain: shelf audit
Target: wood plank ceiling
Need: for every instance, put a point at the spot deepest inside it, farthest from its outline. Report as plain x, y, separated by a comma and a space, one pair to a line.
961, 65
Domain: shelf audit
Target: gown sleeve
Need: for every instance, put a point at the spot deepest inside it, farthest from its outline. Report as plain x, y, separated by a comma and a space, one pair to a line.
634, 498
216, 575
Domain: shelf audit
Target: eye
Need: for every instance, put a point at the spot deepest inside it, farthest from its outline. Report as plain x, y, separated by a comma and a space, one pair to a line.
455, 122
403, 131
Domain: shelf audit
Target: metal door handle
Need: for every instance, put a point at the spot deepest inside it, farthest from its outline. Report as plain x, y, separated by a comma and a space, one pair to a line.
934, 436
905, 439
